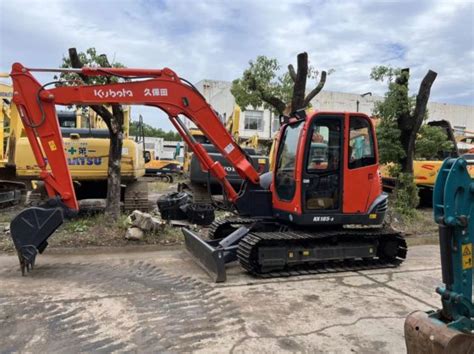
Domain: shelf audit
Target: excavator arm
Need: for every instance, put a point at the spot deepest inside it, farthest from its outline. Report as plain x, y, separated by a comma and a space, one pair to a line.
159, 88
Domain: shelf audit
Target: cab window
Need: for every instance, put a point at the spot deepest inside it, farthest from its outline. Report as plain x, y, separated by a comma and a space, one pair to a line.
361, 143
285, 172
322, 188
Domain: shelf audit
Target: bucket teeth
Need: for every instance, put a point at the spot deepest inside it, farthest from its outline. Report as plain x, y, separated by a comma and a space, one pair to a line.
30, 230
27, 257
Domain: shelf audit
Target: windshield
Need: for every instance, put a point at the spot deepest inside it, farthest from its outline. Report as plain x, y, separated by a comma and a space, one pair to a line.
285, 174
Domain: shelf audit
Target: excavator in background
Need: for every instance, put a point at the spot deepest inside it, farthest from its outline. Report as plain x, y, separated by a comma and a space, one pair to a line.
310, 214
163, 168
201, 185
166, 169
425, 171
450, 329
86, 144
11, 191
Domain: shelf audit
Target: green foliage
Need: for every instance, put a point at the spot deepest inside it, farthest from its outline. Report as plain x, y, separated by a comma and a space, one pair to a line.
262, 73
92, 59
380, 73
406, 195
153, 132
431, 142
388, 137
396, 104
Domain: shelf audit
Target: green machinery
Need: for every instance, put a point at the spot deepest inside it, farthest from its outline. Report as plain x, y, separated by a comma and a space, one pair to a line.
450, 329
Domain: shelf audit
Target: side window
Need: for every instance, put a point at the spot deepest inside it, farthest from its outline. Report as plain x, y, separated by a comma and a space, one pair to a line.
361, 143
323, 152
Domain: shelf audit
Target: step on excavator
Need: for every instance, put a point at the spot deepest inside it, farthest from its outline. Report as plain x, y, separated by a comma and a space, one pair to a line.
449, 330
319, 210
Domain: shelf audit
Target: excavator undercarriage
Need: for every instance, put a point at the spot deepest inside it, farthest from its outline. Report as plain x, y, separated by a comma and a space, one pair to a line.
267, 249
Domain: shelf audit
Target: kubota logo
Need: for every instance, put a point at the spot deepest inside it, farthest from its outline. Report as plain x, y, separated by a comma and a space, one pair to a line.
112, 93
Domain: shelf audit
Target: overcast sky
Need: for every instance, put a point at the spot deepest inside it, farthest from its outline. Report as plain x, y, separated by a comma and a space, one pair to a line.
215, 39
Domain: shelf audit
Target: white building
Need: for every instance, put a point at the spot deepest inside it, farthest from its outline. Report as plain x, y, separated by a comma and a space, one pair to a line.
252, 121
265, 123
164, 149
461, 117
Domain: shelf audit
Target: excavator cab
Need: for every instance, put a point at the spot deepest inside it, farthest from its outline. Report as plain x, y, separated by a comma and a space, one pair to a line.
325, 178
326, 172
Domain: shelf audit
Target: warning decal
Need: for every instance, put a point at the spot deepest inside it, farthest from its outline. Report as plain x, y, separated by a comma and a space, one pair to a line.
467, 256
52, 145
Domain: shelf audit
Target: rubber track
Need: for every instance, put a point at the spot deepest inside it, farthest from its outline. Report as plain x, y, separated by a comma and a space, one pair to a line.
248, 252
136, 196
219, 223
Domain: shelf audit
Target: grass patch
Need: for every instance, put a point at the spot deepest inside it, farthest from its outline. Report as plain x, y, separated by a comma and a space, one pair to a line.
99, 231
159, 186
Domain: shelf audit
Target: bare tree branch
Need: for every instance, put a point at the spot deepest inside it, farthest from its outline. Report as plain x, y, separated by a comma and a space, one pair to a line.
316, 90
300, 84
424, 95
272, 100
292, 72
417, 118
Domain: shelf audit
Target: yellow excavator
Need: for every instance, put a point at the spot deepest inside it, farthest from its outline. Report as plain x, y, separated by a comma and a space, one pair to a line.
426, 171
11, 191
86, 144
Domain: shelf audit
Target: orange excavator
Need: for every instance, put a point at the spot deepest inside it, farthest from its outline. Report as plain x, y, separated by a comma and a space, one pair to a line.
319, 210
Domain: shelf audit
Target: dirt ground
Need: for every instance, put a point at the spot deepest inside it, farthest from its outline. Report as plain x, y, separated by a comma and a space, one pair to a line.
161, 301
94, 290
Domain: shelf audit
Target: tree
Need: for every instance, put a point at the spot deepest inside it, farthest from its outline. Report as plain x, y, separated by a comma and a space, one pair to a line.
401, 115
260, 85
432, 143
113, 119
153, 132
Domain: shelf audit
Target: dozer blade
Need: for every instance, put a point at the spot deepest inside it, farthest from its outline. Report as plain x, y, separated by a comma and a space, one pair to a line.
30, 230
426, 335
208, 255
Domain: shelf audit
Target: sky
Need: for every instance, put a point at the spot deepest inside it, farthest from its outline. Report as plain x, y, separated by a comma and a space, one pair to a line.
210, 39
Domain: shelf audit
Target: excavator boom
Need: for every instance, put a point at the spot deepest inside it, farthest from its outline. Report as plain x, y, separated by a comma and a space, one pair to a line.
158, 88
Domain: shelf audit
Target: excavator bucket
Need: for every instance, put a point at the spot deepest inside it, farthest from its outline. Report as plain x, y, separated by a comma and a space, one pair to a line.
30, 230
427, 335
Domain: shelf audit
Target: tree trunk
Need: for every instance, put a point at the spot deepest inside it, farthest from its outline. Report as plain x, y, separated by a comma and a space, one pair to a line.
114, 122
410, 124
112, 208
299, 88
299, 77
